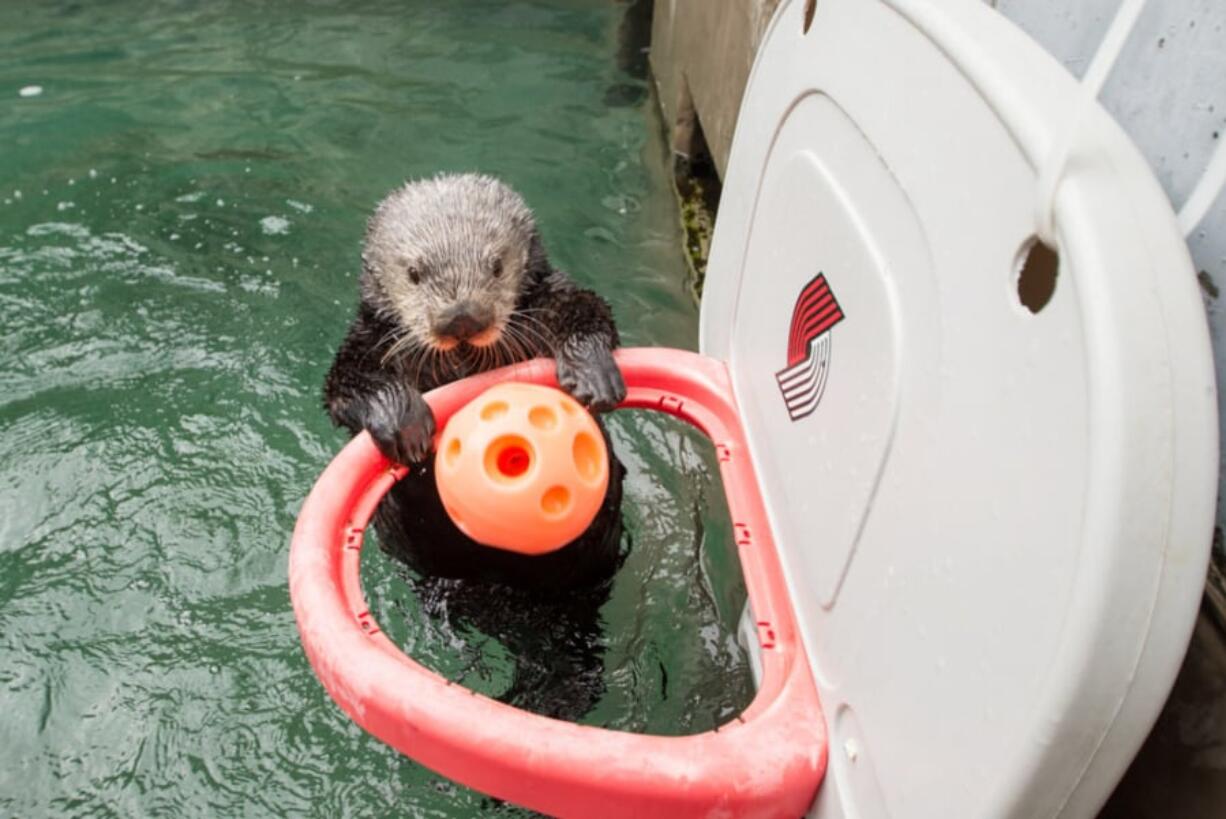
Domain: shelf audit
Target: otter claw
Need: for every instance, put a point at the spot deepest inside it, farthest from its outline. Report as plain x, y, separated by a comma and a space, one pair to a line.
402, 427
593, 381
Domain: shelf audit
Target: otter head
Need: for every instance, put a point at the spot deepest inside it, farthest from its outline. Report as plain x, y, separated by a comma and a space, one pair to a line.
445, 258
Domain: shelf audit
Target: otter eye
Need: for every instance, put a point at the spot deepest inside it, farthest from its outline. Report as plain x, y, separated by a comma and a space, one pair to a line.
414, 274
496, 268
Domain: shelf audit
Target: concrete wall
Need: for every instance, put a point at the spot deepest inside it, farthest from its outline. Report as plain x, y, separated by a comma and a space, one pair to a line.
701, 53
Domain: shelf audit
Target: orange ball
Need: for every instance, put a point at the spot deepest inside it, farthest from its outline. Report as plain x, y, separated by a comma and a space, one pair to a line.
522, 467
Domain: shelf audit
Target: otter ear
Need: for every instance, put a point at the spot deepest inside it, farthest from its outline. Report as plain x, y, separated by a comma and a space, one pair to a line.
372, 292
369, 285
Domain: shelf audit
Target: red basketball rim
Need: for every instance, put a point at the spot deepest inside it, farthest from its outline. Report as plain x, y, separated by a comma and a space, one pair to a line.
767, 762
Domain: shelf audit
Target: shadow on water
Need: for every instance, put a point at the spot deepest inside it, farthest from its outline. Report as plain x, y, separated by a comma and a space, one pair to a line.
633, 47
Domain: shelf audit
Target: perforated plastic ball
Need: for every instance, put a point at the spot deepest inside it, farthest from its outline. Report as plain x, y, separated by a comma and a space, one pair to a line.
522, 467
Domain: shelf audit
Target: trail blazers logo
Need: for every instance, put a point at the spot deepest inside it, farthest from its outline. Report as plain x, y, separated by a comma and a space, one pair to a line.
804, 379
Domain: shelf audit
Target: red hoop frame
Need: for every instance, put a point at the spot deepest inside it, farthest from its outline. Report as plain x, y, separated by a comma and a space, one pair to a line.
768, 762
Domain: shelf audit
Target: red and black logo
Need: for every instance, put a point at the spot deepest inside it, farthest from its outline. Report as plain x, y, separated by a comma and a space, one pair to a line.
804, 379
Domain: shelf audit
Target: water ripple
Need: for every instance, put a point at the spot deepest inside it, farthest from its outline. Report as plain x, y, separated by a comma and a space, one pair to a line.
180, 221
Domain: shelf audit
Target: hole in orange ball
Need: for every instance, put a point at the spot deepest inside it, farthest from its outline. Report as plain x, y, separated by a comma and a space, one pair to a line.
568, 407
513, 461
494, 409
587, 456
454, 515
543, 418
555, 501
453, 452
508, 458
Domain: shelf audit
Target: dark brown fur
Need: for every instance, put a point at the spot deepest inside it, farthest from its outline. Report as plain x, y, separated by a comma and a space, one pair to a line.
411, 276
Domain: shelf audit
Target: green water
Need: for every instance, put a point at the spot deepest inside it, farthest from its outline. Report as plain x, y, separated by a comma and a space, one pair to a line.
180, 217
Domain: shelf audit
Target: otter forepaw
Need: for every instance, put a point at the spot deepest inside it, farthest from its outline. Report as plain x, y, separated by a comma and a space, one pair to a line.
402, 425
587, 371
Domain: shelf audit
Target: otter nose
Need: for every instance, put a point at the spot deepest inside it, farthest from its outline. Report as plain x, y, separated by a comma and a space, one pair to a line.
461, 322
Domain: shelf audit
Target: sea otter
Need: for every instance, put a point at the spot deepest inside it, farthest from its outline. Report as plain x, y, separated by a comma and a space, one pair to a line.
455, 281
